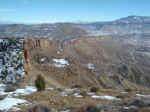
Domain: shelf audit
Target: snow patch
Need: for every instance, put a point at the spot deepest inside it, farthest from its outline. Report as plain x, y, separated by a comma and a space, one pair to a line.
25, 91
141, 95
64, 94
60, 63
126, 108
2, 89
70, 90
105, 97
90, 66
77, 95
91, 94
60, 50
43, 59
50, 89
123, 92
11, 103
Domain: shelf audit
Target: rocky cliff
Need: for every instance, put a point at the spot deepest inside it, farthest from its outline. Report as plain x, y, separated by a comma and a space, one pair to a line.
89, 61
29, 44
39, 45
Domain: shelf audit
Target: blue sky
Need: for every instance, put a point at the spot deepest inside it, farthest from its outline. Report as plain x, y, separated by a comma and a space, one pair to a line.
34, 11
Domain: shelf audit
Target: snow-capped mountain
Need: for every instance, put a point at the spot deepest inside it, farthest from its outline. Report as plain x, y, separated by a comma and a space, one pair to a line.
123, 26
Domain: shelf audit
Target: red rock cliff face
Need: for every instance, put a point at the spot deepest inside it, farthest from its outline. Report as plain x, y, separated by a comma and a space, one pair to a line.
30, 45
27, 61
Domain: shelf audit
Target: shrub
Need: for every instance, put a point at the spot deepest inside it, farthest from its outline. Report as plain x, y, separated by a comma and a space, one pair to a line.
76, 86
94, 89
40, 83
128, 90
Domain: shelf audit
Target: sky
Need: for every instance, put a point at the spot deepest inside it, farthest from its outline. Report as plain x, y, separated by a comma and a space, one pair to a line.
43, 11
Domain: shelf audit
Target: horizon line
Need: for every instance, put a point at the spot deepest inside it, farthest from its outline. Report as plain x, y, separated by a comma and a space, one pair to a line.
57, 22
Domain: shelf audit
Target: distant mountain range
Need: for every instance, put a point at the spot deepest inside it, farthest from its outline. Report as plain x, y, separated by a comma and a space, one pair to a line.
8, 22
125, 26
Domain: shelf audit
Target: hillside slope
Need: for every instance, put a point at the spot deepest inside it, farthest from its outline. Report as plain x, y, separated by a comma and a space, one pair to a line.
87, 62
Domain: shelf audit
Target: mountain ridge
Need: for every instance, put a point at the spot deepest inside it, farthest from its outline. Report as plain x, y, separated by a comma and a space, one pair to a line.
77, 22
123, 26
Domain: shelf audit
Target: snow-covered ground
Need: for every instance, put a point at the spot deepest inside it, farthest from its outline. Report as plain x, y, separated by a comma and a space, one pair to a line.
43, 59
60, 50
60, 63
90, 66
64, 94
123, 92
141, 95
23, 91
105, 97
77, 95
26, 91
91, 94
68, 92
50, 88
11, 103
11, 61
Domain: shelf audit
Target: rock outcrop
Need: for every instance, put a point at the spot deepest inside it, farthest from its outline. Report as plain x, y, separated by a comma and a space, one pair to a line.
41, 45
27, 61
29, 44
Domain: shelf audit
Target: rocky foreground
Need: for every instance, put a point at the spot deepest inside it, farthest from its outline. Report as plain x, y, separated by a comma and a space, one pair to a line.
86, 75
74, 100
